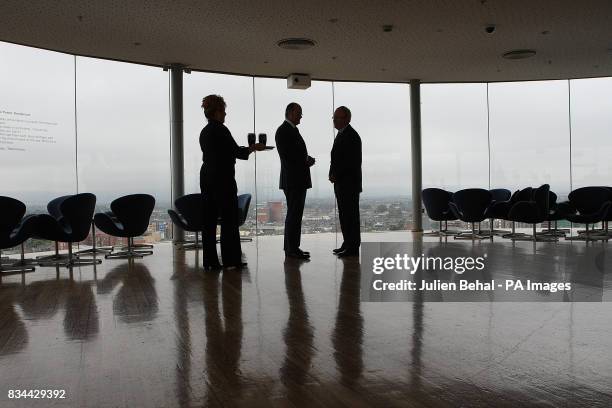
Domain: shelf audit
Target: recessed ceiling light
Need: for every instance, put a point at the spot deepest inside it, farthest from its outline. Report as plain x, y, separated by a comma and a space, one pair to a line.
296, 43
519, 54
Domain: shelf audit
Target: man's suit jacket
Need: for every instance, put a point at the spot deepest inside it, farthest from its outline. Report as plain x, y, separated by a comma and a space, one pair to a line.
346, 160
295, 169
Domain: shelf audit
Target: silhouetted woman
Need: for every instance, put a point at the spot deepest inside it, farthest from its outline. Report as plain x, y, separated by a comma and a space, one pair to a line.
218, 185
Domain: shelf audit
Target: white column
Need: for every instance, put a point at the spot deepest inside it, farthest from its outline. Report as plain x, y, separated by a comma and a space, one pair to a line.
417, 172
176, 141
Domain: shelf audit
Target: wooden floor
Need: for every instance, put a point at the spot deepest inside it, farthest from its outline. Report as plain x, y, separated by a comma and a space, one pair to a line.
160, 332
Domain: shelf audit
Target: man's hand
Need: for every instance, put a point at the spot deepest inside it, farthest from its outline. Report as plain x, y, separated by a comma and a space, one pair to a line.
332, 178
310, 161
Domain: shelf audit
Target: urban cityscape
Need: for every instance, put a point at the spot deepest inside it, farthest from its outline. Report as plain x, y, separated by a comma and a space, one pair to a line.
379, 214
320, 216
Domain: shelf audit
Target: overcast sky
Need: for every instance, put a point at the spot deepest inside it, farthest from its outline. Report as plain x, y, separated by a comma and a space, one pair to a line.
123, 130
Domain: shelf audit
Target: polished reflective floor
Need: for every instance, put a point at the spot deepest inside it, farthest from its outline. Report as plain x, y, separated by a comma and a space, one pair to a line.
161, 332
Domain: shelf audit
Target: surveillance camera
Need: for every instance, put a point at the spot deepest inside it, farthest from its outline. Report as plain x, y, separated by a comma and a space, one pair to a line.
490, 29
298, 81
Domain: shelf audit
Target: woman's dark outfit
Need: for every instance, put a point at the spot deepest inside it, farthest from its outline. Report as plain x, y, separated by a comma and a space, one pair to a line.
219, 192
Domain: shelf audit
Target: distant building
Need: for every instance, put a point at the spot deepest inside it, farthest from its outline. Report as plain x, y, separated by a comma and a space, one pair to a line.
263, 215
276, 211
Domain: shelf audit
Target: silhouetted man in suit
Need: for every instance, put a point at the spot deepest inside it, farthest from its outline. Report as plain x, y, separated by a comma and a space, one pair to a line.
294, 177
345, 173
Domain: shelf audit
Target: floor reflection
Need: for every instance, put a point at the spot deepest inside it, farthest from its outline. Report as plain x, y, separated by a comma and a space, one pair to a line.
347, 337
162, 332
40, 302
416, 352
182, 277
298, 335
136, 300
13, 333
223, 333
81, 319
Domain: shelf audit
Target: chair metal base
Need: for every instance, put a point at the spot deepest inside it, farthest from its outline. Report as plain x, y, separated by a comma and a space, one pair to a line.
128, 254
55, 257
497, 232
536, 238
603, 232
71, 260
94, 250
555, 232
513, 234
12, 268
7, 261
590, 235
137, 246
593, 231
473, 235
15, 270
131, 252
52, 258
190, 245
441, 232
23, 262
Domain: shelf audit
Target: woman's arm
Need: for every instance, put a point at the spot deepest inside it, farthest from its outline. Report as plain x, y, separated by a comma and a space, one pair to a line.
238, 152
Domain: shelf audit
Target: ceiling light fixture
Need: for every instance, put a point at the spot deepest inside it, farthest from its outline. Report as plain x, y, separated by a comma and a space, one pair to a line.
296, 43
518, 54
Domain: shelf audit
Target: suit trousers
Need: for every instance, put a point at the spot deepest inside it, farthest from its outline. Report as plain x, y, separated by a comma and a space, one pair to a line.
221, 201
296, 197
348, 212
